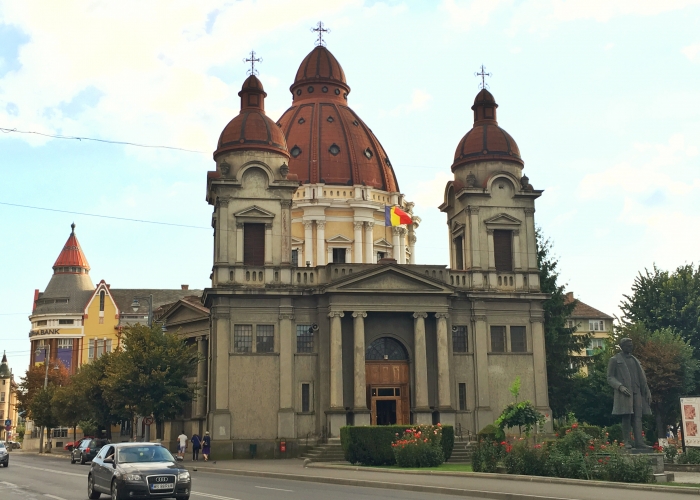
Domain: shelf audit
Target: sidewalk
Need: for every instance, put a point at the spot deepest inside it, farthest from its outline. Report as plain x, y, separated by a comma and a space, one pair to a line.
493, 486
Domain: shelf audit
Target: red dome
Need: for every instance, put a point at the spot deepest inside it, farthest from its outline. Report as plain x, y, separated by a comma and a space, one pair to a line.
252, 129
328, 143
486, 140
71, 260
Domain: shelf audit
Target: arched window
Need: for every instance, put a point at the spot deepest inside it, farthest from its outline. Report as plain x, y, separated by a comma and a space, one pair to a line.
102, 300
386, 348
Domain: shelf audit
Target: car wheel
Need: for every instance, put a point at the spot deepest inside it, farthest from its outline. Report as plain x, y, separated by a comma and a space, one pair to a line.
115, 491
72, 459
82, 459
92, 494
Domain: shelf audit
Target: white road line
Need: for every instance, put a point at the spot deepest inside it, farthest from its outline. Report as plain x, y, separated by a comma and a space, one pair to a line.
276, 489
9, 485
63, 473
54, 497
209, 495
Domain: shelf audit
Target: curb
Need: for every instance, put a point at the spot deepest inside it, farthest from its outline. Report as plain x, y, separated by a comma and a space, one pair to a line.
47, 455
516, 477
493, 495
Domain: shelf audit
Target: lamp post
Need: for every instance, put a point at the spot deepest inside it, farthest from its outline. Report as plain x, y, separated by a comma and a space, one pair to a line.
47, 353
135, 305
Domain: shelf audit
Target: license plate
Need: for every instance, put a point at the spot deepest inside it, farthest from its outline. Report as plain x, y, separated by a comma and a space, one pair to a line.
162, 486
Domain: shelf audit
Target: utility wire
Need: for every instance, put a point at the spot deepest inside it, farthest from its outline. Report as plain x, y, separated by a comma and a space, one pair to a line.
58, 136
102, 216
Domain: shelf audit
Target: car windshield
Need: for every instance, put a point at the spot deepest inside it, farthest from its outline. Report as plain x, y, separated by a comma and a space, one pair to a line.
134, 454
2, 445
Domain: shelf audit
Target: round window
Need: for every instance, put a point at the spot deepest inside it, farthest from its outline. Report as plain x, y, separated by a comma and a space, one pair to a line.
295, 151
300, 121
334, 149
337, 91
298, 91
324, 89
310, 89
368, 153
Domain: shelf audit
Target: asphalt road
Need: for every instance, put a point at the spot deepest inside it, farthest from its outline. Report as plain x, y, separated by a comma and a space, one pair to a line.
30, 477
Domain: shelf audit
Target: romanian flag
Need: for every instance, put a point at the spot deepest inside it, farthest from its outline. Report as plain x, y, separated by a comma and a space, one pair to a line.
394, 216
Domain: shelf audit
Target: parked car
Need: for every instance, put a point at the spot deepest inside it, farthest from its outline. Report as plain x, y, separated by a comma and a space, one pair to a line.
137, 470
13, 445
4, 455
87, 450
74, 444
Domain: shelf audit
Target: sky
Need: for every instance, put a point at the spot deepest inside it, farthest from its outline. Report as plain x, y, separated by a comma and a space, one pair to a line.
602, 97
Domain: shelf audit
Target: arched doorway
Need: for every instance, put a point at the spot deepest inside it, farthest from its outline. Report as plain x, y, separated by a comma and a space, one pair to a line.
387, 376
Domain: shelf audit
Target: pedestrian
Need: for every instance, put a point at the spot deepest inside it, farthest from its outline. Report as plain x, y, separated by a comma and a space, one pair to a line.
182, 445
196, 446
206, 446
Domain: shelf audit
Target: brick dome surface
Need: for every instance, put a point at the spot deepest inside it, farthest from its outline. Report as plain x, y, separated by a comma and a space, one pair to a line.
328, 142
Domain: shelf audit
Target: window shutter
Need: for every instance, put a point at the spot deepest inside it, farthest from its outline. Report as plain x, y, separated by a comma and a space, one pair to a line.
503, 250
254, 244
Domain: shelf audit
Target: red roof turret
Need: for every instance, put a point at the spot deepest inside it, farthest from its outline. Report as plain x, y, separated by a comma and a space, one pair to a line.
71, 259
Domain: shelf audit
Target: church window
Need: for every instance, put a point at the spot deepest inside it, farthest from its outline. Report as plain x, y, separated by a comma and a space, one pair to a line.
518, 339
386, 348
462, 396
295, 257
596, 326
334, 149
298, 91
305, 338
337, 91
265, 338
498, 339
305, 398
368, 153
503, 250
356, 123
330, 119
295, 151
310, 89
102, 300
339, 256
301, 120
324, 89
459, 338
380, 256
459, 253
242, 338
253, 244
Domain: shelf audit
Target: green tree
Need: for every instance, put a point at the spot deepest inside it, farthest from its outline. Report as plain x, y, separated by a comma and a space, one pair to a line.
42, 409
150, 375
89, 386
69, 406
592, 396
33, 382
561, 342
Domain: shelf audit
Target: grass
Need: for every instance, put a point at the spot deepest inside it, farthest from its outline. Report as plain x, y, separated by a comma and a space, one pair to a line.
442, 468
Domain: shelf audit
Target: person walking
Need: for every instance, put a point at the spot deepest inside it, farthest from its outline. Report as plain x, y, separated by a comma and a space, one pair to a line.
196, 446
182, 445
206, 446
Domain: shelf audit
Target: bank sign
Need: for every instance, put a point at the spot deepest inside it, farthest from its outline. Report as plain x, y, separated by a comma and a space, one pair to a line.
47, 331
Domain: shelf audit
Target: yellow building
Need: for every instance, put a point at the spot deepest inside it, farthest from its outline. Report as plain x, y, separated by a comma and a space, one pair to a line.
8, 402
589, 319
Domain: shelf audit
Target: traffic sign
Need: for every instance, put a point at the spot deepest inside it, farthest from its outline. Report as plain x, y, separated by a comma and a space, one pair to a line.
8, 422
148, 420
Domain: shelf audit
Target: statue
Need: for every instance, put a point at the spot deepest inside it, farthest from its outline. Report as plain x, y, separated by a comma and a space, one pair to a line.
632, 395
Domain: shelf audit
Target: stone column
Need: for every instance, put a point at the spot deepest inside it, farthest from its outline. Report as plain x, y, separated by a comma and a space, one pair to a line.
530, 238
539, 362
202, 377
516, 249
308, 243
239, 243
395, 245
474, 236
220, 417
481, 349
285, 416
443, 352
357, 250
402, 244
320, 242
362, 415
370, 257
422, 410
268, 244
336, 412
492, 258
286, 231
222, 230
412, 244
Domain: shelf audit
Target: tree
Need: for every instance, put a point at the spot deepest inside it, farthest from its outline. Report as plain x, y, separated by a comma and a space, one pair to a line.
592, 396
33, 382
42, 409
69, 406
89, 386
561, 342
149, 376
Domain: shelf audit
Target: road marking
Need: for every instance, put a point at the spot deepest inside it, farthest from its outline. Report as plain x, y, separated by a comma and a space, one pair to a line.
51, 470
276, 489
9, 485
209, 495
54, 497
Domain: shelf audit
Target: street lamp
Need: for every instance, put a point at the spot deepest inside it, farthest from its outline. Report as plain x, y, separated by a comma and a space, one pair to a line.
47, 353
135, 305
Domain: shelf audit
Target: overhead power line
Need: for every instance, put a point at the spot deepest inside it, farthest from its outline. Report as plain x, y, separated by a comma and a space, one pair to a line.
103, 216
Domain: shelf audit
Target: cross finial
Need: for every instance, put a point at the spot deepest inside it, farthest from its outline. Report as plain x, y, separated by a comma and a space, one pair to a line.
320, 30
252, 60
483, 74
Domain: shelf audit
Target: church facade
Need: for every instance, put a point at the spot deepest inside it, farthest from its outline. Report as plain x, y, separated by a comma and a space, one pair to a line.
320, 316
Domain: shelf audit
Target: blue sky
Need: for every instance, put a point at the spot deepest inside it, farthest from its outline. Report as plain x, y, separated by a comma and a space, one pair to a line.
602, 97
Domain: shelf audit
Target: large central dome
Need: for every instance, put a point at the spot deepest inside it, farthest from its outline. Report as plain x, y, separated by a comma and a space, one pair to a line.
327, 141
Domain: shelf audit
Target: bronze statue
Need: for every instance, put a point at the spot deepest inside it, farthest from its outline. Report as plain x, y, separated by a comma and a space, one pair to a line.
632, 395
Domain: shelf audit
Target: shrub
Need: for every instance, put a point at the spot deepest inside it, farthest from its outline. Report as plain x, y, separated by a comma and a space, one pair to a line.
419, 447
670, 453
574, 439
520, 458
487, 454
371, 445
691, 456
488, 433
522, 415
592, 430
614, 433
625, 468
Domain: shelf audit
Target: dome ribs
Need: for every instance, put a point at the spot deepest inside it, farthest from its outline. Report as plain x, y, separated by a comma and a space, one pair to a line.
314, 176
352, 155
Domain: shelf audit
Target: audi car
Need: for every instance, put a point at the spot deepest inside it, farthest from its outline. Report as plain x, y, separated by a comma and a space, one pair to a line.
86, 450
137, 470
4, 455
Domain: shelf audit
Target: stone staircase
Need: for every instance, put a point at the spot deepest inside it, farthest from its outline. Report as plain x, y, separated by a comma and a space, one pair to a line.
331, 451
461, 453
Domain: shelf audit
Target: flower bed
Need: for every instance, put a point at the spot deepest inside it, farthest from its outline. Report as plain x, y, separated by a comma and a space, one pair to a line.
419, 447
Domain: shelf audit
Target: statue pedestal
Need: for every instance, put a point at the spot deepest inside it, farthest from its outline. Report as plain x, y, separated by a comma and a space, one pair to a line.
655, 459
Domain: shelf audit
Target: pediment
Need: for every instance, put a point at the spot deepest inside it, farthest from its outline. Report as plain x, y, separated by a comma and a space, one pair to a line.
297, 241
184, 312
389, 280
381, 242
339, 238
502, 220
457, 227
255, 212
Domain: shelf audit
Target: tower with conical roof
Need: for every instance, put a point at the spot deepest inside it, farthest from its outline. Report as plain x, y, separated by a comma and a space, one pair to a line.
8, 399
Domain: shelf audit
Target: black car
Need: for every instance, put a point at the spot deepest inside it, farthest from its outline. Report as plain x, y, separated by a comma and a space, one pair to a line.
137, 470
87, 450
4, 455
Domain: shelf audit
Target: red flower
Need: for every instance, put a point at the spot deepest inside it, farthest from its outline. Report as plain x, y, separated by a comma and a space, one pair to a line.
600, 460
591, 447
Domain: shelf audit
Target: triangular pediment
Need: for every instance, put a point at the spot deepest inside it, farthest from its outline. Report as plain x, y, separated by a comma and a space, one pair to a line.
297, 241
255, 212
503, 220
457, 227
185, 312
381, 242
389, 279
339, 238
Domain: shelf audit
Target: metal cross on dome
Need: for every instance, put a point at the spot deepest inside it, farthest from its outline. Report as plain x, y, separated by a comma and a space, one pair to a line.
252, 60
483, 76
320, 30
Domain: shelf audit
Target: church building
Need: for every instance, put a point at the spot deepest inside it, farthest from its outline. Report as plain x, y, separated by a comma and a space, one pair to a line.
321, 315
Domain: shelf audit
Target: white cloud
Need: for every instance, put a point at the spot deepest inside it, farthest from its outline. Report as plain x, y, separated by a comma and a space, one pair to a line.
419, 101
466, 14
692, 52
604, 10
429, 193
609, 46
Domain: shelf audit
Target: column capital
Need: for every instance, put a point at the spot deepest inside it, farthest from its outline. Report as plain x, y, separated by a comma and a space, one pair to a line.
239, 225
489, 231
369, 225
359, 314
442, 315
412, 239
283, 316
268, 227
358, 226
529, 211
222, 201
471, 210
321, 224
418, 315
334, 314
308, 224
395, 230
536, 319
402, 231
286, 203
516, 232
479, 317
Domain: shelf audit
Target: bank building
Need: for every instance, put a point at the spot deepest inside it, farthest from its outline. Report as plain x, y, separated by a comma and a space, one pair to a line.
321, 315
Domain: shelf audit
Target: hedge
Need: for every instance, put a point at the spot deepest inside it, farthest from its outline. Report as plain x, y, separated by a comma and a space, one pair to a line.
371, 445
592, 430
